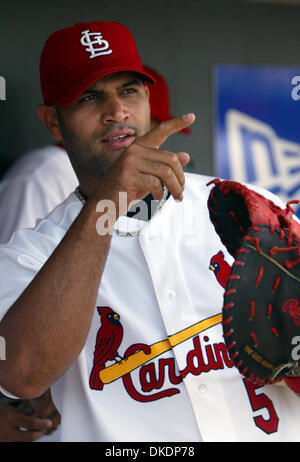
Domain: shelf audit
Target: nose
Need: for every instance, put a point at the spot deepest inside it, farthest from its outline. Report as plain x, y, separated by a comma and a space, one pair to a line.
114, 110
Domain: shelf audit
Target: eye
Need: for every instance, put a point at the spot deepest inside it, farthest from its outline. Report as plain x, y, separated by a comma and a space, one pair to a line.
128, 91
87, 98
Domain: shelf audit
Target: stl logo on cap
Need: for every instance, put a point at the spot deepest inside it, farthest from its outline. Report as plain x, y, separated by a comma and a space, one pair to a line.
96, 47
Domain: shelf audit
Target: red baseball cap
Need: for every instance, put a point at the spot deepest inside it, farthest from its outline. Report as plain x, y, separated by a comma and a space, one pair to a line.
160, 98
75, 57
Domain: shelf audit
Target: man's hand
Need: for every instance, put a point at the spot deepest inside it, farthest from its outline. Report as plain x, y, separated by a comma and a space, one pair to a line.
143, 166
16, 426
43, 407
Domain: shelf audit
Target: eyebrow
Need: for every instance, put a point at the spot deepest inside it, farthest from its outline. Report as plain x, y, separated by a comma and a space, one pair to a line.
126, 84
131, 82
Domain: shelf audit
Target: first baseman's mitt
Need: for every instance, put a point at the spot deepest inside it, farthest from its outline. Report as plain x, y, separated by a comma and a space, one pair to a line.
261, 312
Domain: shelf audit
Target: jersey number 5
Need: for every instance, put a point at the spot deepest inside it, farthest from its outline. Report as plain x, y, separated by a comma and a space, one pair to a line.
259, 401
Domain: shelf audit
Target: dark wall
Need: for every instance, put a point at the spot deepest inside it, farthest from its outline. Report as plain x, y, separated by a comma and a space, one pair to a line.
183, 39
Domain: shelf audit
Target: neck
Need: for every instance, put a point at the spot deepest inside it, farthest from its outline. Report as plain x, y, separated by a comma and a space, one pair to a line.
88, 183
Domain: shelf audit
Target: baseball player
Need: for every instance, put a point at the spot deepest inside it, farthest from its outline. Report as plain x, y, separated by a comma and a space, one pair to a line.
35, 184
122, 317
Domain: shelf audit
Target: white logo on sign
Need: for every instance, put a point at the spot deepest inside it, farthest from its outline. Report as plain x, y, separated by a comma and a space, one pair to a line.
257, 155
96, 46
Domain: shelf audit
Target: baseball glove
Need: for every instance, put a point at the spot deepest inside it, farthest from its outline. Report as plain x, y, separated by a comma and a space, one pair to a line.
261, 311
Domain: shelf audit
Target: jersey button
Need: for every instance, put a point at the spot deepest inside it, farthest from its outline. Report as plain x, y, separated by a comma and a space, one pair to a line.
202, 388
171, 294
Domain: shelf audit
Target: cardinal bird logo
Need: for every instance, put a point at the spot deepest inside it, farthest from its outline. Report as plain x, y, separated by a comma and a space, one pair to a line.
108, 340
220, 268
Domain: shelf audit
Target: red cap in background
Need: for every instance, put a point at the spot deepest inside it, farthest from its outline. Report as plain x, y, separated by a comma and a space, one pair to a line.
75, 57
160, 98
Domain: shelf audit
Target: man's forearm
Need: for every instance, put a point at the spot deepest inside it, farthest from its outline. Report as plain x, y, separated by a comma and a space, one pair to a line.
47, 326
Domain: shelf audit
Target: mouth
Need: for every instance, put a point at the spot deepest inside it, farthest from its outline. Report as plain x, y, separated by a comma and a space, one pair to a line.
119, 140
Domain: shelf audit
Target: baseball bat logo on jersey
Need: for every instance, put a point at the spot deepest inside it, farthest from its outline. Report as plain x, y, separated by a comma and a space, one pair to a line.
202, 357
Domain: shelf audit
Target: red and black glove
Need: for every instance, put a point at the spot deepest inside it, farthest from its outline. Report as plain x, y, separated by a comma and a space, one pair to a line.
261, 311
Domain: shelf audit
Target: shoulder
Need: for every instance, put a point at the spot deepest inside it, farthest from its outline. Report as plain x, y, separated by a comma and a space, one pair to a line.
47, 233
202, 184
61, 217
35, 184
32, 161
39, 166
196, 178
198, 185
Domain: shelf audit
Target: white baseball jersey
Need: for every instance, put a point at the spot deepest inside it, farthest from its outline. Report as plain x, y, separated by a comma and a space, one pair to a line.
34, 185
159, 308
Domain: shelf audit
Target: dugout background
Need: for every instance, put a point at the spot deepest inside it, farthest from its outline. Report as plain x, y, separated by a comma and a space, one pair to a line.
183, 39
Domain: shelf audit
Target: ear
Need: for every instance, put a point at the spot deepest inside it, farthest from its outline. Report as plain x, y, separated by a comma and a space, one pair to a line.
147, 91
48, 115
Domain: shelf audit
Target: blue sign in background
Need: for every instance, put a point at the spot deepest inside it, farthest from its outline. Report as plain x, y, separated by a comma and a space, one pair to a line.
257, 127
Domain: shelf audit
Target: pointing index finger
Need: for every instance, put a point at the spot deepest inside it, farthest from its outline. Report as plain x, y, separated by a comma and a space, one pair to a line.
161, 132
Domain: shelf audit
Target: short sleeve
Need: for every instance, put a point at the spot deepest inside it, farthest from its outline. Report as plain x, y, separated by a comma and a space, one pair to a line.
18, 266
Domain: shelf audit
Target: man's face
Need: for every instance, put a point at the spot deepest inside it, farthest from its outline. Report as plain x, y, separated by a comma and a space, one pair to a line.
105, 119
